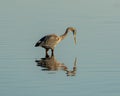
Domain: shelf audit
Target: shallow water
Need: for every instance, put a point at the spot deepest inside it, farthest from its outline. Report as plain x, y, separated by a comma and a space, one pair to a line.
90, 68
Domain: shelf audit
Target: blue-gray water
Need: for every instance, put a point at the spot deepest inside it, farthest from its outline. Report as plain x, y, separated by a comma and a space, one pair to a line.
97, 70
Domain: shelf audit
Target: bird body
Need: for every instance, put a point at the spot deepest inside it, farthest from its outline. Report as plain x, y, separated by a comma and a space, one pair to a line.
50, 41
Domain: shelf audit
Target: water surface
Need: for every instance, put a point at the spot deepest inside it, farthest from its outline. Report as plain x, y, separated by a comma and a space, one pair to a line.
91, 68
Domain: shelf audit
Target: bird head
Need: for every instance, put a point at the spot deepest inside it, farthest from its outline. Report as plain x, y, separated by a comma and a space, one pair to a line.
74, 32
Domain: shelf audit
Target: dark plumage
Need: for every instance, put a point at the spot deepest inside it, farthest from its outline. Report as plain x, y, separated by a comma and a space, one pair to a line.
38, 43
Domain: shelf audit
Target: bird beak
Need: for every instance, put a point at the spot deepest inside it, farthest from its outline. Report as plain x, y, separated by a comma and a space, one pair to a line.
74, 34
75, 61
75, 39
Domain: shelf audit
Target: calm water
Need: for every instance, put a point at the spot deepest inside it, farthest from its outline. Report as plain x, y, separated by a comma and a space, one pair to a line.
91, 68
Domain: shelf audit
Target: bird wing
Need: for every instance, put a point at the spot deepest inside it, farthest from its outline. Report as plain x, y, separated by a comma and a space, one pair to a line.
43, 38
51, 38
48, 41
41, 41
51, 41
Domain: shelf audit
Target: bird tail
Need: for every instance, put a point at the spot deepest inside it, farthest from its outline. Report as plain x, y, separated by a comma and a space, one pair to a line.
37, 44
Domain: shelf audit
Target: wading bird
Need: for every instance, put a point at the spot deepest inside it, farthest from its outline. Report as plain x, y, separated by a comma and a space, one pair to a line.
50, 41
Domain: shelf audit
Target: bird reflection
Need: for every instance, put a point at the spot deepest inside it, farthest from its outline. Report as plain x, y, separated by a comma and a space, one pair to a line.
49, 63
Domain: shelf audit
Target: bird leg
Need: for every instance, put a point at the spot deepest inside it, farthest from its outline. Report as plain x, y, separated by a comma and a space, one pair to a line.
52, 50
46, 52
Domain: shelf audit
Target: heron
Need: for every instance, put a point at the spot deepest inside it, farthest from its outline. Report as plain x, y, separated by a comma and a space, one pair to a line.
50, 41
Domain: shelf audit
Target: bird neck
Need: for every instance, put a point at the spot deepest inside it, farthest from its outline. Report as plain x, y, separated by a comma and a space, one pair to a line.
64, 35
